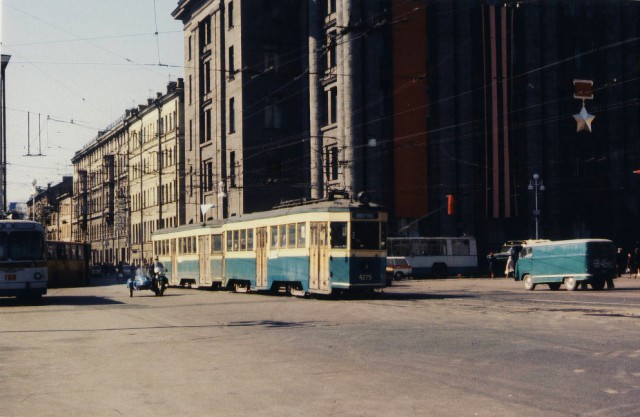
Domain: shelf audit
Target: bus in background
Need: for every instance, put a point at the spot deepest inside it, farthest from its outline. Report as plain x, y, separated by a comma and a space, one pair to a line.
68, 263
23, 265
438, 257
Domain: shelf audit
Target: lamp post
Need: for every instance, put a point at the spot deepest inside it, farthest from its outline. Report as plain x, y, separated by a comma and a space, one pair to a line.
33, 199
536, 185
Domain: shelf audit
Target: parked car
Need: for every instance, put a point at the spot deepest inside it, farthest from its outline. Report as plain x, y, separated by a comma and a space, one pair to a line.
397, 268
128, 271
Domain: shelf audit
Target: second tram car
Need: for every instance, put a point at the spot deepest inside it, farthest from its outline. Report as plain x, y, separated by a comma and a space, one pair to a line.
320, 247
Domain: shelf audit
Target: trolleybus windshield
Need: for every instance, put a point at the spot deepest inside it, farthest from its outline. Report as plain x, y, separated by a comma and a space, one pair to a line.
20, 246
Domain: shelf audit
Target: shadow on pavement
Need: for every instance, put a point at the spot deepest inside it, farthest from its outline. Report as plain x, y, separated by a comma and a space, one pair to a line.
79, 300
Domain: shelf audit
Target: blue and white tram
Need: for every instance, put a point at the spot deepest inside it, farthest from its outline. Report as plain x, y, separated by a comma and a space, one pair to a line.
23, 264
318, 247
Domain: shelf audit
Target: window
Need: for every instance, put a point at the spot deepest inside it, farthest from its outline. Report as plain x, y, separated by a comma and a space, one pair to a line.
206, 71
205, 32
272, 113
271, 57
232, 68
274, 237
460, 247
282, 232
236, 239
232, 115
250, 239
291, 235
331, 51
229, 241
365, 235
331, 163
338, 234
230, 14
232, 169
216, 243
302, 234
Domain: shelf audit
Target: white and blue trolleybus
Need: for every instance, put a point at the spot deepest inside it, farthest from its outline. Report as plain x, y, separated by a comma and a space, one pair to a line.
318, 247
437, 256
23, 264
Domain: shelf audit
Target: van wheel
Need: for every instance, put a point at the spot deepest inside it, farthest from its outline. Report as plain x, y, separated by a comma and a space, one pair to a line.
571, 283
398, 276
528, 283
554, 286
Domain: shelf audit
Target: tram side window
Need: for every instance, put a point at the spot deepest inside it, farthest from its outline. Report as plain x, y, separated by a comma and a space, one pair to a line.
216, 243
460, 247
302, 234
229, 241
365, 235
282, 232
338, 234
250, 239
291, 235
243, 239
274, 237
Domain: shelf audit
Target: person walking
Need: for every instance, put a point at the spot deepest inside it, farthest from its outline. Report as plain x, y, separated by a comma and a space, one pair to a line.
510, 267
491, 259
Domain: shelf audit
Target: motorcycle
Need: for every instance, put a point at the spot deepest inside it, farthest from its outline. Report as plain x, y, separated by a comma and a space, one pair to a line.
157, 282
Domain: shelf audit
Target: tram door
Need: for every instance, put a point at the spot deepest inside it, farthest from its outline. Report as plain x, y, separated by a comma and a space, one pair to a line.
319, 257
261, 257
174, 263
203, 259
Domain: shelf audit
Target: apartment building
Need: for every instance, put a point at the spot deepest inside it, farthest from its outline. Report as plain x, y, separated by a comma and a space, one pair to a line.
129, 180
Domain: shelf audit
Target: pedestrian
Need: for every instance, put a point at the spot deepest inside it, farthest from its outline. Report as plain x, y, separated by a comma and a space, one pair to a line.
491, 259
635, 269
510, 267
620, 262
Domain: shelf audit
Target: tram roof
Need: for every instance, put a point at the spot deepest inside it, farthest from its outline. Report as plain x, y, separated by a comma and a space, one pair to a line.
335, 206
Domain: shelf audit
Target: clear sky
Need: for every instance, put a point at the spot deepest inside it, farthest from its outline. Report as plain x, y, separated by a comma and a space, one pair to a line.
75, 66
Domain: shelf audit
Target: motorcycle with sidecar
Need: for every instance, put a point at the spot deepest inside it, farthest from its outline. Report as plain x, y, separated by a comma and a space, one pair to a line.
156, 282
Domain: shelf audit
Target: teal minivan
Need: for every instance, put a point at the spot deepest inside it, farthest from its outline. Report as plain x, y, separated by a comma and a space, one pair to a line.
569, 262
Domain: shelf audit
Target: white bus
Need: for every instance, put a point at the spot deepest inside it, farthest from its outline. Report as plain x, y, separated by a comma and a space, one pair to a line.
23, 264
437, 256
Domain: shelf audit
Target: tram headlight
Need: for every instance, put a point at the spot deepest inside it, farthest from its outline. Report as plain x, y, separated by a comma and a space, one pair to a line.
37, 275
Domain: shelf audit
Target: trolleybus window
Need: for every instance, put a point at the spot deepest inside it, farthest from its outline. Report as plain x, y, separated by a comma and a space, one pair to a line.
21, 246
460, 247
338, 234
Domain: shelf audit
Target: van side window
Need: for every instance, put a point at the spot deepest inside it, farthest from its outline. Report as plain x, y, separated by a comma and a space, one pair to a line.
526, 253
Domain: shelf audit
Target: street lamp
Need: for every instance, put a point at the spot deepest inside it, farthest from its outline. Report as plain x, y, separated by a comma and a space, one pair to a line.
536, 185
33, 199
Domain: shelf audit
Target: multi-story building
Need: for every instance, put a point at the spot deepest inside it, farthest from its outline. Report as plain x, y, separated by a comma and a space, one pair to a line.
281, 102
100, 183
485, 99
155, 137
129, 181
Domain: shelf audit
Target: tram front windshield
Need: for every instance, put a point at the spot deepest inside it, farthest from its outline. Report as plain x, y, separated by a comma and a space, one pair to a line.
364, 235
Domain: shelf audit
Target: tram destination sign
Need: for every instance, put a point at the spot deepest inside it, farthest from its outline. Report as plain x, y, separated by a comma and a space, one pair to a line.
360, 215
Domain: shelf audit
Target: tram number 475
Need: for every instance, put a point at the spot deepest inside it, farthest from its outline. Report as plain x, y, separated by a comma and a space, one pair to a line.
10, 277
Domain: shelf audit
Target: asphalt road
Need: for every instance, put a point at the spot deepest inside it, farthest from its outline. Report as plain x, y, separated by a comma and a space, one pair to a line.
457, 347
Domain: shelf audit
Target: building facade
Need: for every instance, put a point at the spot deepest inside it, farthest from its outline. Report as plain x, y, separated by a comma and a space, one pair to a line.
282, 102
491, 103
129, 181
